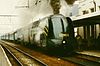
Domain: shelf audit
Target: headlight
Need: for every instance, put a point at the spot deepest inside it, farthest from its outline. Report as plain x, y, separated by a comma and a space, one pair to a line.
64, 42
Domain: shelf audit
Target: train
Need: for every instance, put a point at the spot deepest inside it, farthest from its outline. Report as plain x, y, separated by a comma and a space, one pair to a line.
55, 32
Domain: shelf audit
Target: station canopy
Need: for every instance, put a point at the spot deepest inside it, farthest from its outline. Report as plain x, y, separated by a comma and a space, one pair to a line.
87, 19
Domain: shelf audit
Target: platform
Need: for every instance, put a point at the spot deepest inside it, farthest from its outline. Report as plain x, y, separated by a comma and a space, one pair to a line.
91, 52
4, 61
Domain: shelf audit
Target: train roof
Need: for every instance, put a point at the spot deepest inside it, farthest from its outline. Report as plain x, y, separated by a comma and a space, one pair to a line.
57, 15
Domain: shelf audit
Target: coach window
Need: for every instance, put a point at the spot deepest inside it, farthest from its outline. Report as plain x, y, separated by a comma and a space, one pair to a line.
35, 24
43, 23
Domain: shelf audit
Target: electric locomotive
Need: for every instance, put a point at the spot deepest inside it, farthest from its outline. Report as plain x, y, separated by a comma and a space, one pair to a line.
55, 32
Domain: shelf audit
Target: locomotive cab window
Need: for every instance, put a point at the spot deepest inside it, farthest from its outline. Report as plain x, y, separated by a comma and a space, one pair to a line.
57, 26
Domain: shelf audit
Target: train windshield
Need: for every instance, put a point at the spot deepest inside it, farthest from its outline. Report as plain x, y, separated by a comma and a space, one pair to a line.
58, 26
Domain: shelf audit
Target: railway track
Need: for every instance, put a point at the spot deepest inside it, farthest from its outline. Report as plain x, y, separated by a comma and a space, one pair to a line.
89, 57
77, 59
13, 60
20, 58
49, 60
84, 60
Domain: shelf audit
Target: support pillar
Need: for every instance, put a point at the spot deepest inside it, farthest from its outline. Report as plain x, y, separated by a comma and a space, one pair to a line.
92, 30
88, 32
84, 30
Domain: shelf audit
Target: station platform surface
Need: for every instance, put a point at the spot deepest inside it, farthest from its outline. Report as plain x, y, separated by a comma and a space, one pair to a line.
4, 61
91, 52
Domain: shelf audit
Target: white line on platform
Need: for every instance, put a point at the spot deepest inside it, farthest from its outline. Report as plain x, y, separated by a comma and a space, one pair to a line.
6, 56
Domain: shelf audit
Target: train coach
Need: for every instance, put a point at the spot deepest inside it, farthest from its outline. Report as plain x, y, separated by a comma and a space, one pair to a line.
55, 32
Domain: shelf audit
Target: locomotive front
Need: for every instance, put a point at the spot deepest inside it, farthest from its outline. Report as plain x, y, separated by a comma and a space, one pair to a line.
60, 33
